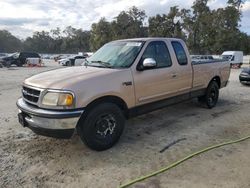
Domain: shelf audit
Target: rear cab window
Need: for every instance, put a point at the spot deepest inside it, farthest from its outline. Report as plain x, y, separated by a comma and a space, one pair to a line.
29, 55
180, 53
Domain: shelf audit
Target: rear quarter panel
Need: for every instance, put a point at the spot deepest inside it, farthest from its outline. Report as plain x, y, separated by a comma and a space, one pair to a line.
205, 72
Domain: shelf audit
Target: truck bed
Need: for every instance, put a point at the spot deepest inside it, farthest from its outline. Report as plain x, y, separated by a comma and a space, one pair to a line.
204, 70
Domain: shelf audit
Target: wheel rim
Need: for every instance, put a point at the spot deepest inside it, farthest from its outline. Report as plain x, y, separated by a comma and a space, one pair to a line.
105, 126
212, 98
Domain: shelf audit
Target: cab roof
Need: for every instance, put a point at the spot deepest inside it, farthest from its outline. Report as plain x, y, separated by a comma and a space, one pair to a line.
149, 39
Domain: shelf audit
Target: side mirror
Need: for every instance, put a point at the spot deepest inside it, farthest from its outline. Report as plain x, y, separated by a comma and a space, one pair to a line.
149, 63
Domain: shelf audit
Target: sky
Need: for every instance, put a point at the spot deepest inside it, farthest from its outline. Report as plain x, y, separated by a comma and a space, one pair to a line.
23, 17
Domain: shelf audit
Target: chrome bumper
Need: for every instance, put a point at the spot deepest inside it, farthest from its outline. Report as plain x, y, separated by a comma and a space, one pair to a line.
49, 122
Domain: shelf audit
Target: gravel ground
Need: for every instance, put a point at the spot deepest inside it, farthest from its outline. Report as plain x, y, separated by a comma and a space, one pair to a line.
29, 160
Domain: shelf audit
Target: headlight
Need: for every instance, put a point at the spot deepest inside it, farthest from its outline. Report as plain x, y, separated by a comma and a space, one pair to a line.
58, 99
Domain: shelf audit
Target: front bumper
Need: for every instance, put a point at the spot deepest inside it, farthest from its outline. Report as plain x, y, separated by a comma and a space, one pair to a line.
52, 123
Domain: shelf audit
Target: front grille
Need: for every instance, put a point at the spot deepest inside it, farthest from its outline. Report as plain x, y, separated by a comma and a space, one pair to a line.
31, 95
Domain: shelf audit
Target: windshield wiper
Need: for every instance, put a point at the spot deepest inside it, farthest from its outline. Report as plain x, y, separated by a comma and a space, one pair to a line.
104, 64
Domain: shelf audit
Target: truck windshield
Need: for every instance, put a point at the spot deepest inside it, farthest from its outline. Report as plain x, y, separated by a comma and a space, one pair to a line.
226, 57
118, 54
15, 55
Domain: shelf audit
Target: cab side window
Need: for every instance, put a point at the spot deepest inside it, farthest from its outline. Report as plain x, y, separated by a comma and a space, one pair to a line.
159, 52
180, 53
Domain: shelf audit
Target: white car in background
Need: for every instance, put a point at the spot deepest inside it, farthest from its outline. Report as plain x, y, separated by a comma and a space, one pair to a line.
75, 60
234, 57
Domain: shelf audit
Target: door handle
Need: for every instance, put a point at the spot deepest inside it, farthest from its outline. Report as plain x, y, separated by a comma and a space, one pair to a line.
174, 75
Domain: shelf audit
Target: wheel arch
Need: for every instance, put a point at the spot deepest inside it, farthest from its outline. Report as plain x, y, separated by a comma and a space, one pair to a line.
217, 79
107, 99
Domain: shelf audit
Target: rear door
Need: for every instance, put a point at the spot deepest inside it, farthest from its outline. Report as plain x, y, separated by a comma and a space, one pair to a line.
184, 73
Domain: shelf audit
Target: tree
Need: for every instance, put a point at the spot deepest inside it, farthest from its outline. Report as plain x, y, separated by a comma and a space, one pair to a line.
40, 42
75, 40
101, 33
204, 30
8, 42
236, 3
166, 25
197, 26
129, 24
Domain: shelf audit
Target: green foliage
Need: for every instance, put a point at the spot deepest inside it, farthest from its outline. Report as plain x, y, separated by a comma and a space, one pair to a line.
166, 25
236, 3
204, 30
8, 42
213, 31
70, 40
126, 25
101, 33
129, 24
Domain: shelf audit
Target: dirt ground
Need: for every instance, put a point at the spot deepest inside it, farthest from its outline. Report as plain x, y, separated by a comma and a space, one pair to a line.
28, 160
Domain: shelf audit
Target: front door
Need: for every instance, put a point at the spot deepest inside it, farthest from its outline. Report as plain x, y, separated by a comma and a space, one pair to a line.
159, 82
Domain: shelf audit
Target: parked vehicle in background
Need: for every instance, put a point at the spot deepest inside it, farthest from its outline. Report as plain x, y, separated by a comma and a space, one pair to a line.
202, 57
19, 58
244, 76
46, 56
2, 55
88, 54
235, 58
122, 79
64, 62
57, 57
75, 60
31, 61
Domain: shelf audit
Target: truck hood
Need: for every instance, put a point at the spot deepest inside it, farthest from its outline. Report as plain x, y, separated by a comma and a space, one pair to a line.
64, 77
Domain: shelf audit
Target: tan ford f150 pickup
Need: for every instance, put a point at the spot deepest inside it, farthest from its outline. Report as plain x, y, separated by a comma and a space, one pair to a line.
122, 79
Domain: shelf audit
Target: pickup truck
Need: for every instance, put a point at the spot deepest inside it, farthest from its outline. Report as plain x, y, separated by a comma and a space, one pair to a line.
123, 79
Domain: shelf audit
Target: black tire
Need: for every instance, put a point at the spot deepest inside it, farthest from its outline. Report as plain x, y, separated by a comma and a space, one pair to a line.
8, 64
67, 63
212, 94
18, 64
102, 127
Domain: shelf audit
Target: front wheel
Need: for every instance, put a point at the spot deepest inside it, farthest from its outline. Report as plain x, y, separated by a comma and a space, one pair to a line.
102, 126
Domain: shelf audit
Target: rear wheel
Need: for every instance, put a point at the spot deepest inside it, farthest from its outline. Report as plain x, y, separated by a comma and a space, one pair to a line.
18, 64
102, 126
212, 94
